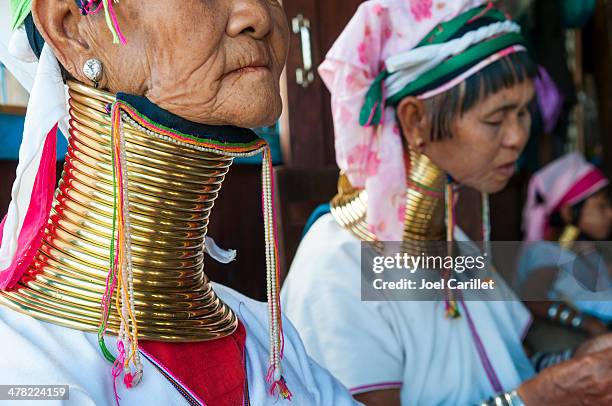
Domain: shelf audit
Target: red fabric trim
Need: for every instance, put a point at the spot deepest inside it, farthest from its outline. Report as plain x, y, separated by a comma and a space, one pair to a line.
37, 216
583, 187
211, 370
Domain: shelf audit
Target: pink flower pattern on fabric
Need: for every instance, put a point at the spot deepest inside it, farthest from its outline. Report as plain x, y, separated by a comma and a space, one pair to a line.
421, 9
373, 165
361, 50
358, 156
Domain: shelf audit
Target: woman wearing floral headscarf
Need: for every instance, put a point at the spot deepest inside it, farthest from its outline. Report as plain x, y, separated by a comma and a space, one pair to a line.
426, 95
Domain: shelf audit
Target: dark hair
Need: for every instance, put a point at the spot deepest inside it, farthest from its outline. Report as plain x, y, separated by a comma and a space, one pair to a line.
508, 71
556, 221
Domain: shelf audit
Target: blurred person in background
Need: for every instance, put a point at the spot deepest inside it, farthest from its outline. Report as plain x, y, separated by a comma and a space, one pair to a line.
568, 210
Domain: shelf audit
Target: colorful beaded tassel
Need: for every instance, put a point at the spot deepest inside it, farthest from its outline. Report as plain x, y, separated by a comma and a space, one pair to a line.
90, 7
274, 376
120, 281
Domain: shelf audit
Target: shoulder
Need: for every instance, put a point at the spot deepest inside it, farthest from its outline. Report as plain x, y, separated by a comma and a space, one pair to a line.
327, 252
47, 354
326, 235
325, 273
309, 383
254, 315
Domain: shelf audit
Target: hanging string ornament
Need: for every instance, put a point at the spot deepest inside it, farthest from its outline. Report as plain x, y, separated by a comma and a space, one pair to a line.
450, 303
486, 224
94, 6
274, 376
120, 277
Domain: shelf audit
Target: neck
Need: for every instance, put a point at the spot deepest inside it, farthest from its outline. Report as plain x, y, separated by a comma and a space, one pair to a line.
172, 188
424, 218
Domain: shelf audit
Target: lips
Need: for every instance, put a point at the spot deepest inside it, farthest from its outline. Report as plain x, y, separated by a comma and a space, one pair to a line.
253, 64
506, 170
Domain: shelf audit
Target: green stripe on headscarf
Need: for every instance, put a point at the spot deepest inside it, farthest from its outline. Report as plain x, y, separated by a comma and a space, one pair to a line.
444, 31
472, 55
374, 103
20, 9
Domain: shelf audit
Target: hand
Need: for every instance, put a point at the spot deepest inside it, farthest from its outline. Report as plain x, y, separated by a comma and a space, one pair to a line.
585, 380
594, 327
597, 344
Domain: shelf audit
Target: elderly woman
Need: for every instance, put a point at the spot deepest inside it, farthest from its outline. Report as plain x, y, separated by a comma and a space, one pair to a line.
102, 285
426, 95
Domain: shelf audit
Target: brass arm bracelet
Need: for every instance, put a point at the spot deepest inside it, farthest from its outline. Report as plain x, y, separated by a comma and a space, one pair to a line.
510, 398
543, 360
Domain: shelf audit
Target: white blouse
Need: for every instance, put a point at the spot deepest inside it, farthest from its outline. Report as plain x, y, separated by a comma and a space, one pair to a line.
399, 344
39, 353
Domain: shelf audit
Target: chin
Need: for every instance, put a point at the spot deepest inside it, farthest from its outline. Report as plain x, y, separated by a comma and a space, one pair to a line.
495, 188
491, 187
259, 114
597, 236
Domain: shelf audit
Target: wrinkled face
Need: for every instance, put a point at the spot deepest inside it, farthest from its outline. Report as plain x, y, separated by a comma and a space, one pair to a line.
596, 216
487, 140
209, 61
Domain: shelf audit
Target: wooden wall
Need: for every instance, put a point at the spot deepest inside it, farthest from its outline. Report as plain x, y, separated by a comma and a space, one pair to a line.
600, 53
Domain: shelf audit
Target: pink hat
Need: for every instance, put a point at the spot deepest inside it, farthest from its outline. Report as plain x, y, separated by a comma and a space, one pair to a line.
565, 181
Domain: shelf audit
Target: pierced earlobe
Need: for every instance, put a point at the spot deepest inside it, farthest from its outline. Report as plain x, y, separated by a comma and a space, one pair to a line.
93, 69
419, 145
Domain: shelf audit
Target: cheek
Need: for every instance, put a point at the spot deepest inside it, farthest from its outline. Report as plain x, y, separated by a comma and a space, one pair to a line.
595, 224
467, 158
280, 37
188, 52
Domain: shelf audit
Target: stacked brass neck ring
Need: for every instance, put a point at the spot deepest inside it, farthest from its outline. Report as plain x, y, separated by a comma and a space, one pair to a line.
424, 211
172, 189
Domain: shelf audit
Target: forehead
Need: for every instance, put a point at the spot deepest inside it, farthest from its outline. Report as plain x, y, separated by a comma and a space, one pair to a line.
599, 196
515, 96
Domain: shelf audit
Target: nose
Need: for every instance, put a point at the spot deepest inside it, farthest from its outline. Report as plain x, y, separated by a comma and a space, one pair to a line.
251, 17
517, 134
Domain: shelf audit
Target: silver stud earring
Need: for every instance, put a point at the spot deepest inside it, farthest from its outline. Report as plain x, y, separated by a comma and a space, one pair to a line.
93, 71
